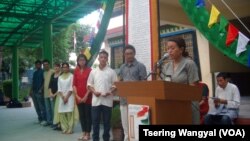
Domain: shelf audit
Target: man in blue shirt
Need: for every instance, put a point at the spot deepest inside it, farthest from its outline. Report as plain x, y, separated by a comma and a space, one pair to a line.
37, 94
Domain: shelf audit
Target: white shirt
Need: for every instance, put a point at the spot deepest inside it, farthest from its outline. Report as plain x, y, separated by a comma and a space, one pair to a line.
102, 80
64, 86
231, 94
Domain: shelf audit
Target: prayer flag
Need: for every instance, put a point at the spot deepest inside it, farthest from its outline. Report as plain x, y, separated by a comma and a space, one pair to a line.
213, 16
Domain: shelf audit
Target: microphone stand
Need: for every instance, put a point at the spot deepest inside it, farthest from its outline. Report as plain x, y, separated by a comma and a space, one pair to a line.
153, 73
160, 73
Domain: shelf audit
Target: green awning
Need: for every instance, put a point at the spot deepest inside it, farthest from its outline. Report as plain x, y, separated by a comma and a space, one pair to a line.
21, 21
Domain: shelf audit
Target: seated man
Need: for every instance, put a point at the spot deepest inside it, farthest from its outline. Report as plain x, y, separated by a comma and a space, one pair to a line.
226, 103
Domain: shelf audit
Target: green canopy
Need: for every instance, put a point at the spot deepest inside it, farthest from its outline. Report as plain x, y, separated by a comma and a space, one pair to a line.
22, 21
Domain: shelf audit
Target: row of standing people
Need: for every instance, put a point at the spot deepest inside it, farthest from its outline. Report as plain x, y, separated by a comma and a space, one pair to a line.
52, 96
60, 98
100, 85
93, 89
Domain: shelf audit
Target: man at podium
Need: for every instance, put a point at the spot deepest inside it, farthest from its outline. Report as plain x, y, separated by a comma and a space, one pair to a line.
181, 69
131, 70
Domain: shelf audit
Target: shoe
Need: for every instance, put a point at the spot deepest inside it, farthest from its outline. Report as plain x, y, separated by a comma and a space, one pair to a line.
57, 128
53, 126
43, 123
47, 124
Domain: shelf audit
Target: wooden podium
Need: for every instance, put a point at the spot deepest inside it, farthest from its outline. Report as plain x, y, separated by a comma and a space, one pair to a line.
170, 103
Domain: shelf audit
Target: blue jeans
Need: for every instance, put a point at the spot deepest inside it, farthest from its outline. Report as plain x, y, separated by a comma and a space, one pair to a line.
49, 105
217, 120
98, 112
38, 101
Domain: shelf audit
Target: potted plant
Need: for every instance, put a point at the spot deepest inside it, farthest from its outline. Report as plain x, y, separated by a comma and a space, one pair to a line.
116, 124
7, 89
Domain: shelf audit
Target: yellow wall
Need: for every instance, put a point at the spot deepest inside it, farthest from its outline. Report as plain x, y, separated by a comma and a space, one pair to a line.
204, 57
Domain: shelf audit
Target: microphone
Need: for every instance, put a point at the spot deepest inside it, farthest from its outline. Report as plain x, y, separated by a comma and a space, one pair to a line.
165, 56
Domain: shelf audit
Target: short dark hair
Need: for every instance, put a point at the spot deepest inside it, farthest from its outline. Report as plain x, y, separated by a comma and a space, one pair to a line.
38, 62
129, 47
81, 56
223, 75
104, 52
57, 64
46, 61
65, 63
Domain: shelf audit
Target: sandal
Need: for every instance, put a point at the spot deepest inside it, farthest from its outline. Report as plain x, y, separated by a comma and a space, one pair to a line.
81, 138
86, 138
69, 132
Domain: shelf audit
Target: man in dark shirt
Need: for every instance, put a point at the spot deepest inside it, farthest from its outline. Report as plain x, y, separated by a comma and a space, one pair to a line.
37, 94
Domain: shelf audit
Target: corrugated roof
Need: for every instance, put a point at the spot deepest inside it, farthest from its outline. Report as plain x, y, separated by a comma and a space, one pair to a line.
22, 21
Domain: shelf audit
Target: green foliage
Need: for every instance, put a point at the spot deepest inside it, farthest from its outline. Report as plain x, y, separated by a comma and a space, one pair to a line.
27, 57
23, 93
116, 117
7, 88
81, 31
62, 45
63, 42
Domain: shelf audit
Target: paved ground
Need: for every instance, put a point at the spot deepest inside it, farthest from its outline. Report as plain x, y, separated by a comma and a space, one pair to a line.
19, 124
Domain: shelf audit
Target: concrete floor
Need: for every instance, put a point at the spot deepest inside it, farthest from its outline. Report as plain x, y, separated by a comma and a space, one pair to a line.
19, 124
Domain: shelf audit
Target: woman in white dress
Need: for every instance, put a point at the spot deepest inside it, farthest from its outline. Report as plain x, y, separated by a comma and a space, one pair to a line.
66, 100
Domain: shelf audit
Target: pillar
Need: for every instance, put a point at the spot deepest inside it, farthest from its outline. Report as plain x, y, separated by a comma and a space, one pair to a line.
15, 73
47, 42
